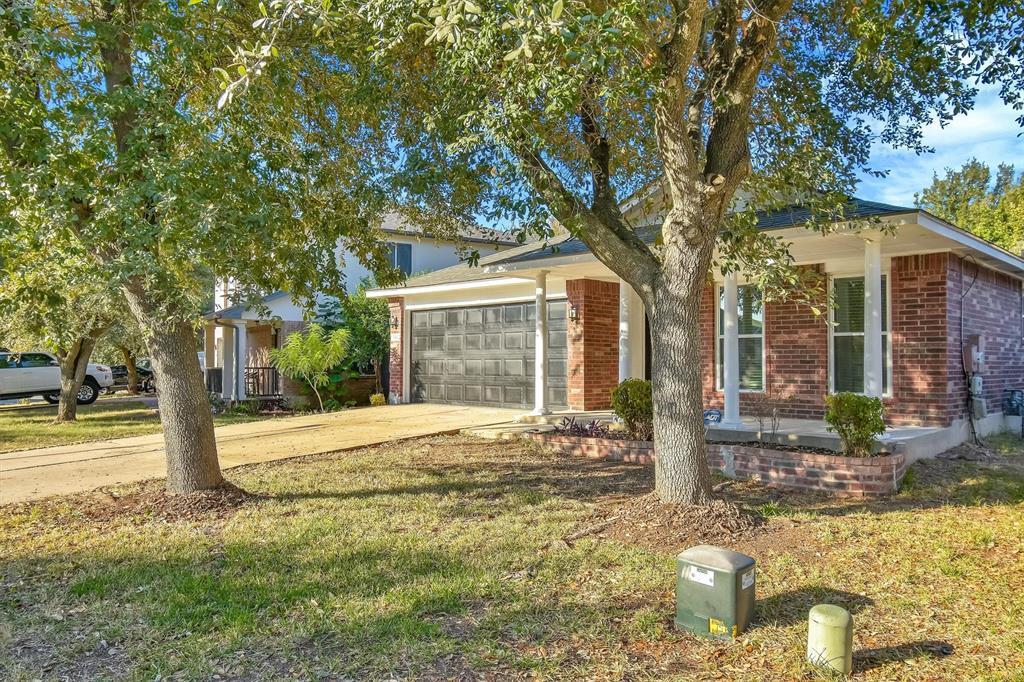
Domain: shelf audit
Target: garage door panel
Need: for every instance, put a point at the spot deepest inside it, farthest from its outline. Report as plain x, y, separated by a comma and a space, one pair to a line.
485, 354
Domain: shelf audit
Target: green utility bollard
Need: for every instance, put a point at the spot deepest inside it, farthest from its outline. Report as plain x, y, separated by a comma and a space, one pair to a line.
830, 638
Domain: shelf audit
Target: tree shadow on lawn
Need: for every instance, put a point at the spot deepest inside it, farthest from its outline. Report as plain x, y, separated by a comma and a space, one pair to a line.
376, 596
790, 608
368, 609
929, 484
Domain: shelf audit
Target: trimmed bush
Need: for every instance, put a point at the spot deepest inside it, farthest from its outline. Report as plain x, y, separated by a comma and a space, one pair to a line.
634, 405
857, 419
378, 399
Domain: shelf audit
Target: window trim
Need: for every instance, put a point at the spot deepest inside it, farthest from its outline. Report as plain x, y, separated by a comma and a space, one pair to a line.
719, 379
887, 366
393, 247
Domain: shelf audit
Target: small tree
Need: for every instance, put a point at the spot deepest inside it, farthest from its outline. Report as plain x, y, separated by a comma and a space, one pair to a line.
123, 342
53, 298
367, 320
309, 356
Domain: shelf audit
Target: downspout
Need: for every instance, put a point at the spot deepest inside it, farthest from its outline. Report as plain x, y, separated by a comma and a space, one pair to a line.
234, 357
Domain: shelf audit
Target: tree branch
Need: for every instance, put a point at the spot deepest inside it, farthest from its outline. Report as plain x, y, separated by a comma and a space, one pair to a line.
613, 243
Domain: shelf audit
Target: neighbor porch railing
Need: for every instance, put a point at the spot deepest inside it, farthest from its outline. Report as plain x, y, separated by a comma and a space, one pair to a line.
262, 382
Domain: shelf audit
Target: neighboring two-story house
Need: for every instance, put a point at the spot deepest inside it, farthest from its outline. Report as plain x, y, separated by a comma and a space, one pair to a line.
237, 337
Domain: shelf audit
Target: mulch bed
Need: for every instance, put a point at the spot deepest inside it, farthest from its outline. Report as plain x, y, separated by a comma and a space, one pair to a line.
645, 521
151, 503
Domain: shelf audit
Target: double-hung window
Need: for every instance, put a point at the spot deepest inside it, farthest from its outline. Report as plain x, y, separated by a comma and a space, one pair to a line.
847, 318
750, 328
401, 257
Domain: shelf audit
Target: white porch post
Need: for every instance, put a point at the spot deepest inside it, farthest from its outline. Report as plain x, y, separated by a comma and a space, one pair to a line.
731, 359
227, 377
540, 386
243, 353
625, 361
873, 352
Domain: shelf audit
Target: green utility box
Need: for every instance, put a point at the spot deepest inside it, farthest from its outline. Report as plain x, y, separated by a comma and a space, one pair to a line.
714, 591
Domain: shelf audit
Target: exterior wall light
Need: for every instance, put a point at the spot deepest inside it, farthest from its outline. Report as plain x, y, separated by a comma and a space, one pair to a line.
574, 313
394, 321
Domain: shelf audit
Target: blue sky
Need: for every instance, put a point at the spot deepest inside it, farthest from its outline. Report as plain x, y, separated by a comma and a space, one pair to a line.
988, 132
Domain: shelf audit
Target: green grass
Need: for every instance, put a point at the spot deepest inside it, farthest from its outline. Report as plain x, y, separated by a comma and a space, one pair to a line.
431, 559
21, 429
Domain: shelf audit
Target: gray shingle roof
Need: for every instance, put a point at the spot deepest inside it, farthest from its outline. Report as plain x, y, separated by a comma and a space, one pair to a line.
566, 245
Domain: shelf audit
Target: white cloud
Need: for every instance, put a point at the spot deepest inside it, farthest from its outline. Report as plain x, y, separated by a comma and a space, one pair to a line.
989, 132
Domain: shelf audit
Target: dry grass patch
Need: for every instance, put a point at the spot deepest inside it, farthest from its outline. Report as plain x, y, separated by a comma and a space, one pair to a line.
445, 558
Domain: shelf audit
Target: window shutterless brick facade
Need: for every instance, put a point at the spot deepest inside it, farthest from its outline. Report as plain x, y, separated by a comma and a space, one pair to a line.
928, 293
929, 388
796, 355
593, 343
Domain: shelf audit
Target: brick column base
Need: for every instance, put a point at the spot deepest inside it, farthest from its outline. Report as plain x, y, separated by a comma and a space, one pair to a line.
396, 308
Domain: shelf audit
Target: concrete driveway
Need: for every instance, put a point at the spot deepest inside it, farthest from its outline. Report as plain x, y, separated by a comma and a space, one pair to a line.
34, 474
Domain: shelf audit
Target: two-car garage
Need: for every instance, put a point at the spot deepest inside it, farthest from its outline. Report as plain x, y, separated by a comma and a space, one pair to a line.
484, 355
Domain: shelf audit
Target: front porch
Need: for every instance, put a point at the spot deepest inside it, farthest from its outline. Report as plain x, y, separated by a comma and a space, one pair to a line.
237, 355
913, 442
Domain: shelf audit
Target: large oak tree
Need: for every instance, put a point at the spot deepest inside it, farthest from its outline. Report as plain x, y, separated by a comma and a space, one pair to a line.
110, 140
570, 106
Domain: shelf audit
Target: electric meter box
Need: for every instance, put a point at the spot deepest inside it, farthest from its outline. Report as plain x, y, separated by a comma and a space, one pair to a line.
714, 591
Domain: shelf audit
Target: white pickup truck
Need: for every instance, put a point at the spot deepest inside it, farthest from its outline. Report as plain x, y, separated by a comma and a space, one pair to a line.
23, 375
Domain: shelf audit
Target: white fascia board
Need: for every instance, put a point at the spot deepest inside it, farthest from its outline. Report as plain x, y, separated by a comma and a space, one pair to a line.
542, 263
1014, 264
450, 286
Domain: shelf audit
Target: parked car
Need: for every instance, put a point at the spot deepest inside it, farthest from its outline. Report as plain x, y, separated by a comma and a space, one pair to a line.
23, 375
142, 369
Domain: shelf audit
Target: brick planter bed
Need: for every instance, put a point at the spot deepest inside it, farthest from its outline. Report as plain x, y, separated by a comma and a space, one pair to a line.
787, 469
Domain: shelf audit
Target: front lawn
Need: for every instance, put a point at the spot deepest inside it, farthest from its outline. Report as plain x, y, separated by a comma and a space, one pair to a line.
24, 428
445, 558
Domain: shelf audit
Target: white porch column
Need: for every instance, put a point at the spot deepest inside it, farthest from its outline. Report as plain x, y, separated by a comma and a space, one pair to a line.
540, 346
227, 377
731, 359
625, 360
873, 352
243, 355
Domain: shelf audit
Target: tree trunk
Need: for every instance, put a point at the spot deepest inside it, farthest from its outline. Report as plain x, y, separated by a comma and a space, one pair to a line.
189, 442
682, 473
133, 371
378, 387
74, 362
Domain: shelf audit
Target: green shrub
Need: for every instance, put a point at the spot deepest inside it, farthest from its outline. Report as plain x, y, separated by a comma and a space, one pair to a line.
634, 405
857, 419
378, 399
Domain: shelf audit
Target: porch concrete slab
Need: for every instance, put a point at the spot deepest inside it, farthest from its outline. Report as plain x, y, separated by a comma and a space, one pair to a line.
34, 474
914, 442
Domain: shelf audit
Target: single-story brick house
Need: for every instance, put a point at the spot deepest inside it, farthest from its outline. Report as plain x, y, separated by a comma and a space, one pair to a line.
908, 304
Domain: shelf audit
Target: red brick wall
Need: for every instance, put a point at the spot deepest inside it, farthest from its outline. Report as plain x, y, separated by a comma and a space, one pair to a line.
920, 394
992, 307
796, 355
396, 307
593, 343
833, 474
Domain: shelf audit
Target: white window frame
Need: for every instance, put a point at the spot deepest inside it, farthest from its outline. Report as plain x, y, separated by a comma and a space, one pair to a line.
887, 368
393, 256
719, 379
